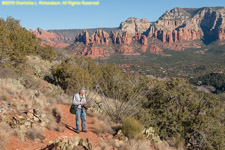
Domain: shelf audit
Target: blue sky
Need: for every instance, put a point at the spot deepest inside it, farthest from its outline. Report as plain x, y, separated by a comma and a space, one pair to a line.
110, 13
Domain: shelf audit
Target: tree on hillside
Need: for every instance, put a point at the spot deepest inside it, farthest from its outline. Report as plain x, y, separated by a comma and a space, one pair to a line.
16, 43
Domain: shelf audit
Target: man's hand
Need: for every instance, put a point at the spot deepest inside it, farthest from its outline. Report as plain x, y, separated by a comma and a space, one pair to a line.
82, 102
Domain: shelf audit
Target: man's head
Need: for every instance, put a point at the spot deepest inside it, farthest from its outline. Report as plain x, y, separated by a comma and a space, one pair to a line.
82, 91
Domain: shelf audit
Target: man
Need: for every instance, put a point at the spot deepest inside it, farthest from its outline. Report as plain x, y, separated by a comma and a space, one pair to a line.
79, 100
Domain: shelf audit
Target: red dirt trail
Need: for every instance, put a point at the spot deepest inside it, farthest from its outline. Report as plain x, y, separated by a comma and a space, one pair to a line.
68, 119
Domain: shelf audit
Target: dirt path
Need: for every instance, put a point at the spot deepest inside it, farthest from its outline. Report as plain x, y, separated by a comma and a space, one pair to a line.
69, 120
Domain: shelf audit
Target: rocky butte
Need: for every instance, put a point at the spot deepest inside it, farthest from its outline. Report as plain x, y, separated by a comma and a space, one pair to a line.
176, 29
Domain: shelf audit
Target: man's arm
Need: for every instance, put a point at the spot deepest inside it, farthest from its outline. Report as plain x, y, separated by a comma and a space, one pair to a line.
76, 99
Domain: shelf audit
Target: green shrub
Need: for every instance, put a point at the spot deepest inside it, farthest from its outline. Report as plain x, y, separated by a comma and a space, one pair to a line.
214, 79
174, 109
17, 42
47, 52
132, 128
71, 76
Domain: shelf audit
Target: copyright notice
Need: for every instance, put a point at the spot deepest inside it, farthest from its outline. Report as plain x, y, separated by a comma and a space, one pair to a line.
71, 3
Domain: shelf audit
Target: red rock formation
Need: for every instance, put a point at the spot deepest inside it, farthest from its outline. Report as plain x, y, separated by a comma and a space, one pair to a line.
125, 50
137, 37
121, 38
83, 37
113, 36
100, 37
49, 38
175, 35
144, 48
155, 49
144, 40
180, 25
221, 34
96, 52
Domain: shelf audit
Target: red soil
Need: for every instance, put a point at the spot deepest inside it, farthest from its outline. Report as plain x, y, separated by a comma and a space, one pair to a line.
68, 119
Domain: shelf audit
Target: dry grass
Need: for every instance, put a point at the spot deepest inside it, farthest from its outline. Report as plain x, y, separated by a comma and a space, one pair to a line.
106, 145
102, 124
19, 134
164, 146
8, 88
54, 115
60, 127
177, 142
38, 66
3, 133
2, 139
129, 145
135, 145
51, 122
35, 133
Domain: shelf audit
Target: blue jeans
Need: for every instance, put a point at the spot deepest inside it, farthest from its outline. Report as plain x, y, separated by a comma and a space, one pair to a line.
80, 114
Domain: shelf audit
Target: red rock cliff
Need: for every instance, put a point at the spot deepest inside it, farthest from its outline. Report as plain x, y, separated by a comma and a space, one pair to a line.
50, 38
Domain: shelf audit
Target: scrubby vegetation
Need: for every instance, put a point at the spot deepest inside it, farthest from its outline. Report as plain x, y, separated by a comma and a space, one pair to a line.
16, 43
132, 128
34, 78
186, 64
175, 110
216, 80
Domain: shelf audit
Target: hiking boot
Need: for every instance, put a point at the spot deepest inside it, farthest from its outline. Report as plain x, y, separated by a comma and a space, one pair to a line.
84, 130
77, 131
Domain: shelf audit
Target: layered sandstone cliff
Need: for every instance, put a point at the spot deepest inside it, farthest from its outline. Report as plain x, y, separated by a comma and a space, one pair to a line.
178, 25
177, 29
51, 38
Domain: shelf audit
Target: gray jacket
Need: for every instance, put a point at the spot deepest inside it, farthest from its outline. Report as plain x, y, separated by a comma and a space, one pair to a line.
77, 99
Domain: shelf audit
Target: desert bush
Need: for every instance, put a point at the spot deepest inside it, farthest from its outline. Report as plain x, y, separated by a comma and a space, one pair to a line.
60, 127
132, 128
135, 145
47, 52
8, 88
35, 133
19, 134
106, 80
17, 42
164, 145
4, 132
121, 98
51, 124
102, 125
2, 139
105, 145
175, 110
216, 80
57, 113
71, 76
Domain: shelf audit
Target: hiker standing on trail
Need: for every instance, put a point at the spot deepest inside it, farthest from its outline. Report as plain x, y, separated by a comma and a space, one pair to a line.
79, 100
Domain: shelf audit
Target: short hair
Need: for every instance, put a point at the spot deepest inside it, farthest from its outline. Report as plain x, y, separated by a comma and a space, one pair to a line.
82, 89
